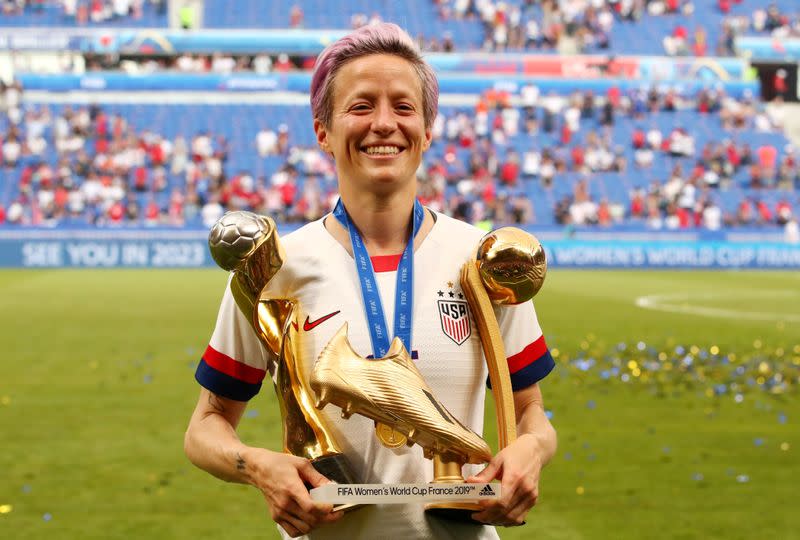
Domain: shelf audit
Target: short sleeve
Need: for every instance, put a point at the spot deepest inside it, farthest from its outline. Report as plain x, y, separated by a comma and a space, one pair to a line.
529, 359
235, 362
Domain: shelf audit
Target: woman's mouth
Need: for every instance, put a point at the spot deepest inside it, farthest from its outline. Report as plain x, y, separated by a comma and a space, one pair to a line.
382, 150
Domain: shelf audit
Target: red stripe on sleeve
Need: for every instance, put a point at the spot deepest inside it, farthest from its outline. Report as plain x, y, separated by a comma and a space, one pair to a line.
229, 366
527, 356
386, 263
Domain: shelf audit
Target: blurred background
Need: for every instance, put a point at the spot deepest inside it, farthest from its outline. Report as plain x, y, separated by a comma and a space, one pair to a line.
651, 145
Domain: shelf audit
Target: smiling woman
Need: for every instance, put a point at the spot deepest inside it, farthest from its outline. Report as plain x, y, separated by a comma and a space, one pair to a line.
376, 132
373, 100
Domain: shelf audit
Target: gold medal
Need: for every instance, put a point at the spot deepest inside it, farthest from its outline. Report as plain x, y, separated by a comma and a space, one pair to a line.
389, 437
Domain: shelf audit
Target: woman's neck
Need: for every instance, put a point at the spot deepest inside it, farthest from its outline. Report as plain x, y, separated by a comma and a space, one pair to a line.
384, 222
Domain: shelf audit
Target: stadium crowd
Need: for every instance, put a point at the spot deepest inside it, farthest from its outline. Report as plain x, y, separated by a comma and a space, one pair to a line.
482, 165
569, 26
83, 12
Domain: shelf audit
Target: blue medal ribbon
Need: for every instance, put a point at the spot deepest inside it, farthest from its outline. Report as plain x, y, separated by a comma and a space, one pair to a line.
404, 289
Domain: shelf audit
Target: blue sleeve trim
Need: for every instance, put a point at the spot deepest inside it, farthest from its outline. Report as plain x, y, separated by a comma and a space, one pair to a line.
530, 374
223, 384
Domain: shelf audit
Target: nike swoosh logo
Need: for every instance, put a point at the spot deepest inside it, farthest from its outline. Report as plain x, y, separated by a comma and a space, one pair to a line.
310, 325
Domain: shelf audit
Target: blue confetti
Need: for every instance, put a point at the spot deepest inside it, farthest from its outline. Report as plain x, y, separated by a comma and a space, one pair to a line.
742, 478
26, 488
591, 404
548, 414
641, 345
251, 413
697, 477
758, 441
781, 418
147, 379
666, 449
568, 456
47, 517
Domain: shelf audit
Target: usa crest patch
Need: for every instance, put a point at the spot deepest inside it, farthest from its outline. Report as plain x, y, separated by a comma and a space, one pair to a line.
454, 316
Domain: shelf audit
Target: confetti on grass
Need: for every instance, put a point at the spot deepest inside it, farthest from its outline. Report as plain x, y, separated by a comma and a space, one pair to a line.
711, 372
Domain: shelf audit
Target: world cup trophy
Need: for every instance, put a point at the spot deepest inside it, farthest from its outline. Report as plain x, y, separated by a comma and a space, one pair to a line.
509, 268
247, 245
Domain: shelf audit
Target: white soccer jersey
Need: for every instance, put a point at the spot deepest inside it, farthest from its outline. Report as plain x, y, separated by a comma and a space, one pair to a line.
321, 276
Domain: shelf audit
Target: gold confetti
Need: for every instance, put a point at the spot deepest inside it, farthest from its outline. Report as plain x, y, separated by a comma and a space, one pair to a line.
694, 349
662, 356
714, 350
6, 400
757, 344
579, 490
93, 364
5, 508
785, 446
554, 353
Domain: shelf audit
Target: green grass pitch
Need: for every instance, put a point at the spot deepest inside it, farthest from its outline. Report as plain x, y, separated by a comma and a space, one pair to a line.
97, 386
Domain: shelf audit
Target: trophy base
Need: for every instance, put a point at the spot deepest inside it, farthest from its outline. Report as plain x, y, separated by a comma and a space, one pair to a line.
454, 511
336, 468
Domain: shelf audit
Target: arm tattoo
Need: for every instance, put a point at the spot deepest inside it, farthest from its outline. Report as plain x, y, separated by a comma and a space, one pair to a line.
216, 403
240, 462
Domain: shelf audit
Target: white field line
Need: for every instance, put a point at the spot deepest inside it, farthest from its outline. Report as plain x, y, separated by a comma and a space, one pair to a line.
688, 303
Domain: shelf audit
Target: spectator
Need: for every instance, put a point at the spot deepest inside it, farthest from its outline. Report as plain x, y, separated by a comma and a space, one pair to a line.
296, 16
791, 231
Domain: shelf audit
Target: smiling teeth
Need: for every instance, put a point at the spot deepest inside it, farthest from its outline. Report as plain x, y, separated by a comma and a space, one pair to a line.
383, 150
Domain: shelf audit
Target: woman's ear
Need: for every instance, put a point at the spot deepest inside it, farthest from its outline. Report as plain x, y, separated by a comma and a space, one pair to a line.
428, 139
322, 136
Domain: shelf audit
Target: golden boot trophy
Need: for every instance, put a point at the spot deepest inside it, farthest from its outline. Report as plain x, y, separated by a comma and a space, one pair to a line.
247, 245
509, 268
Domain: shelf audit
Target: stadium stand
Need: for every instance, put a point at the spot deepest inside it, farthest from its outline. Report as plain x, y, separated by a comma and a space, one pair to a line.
684, 27
652, 157
65, 13
90, 163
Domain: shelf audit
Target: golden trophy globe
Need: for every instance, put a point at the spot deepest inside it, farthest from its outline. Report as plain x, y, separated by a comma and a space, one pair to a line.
247, 245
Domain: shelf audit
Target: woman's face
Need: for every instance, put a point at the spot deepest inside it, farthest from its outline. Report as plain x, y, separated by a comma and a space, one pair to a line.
377, 133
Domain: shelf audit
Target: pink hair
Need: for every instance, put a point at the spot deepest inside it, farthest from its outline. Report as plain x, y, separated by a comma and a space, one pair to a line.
382, 38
